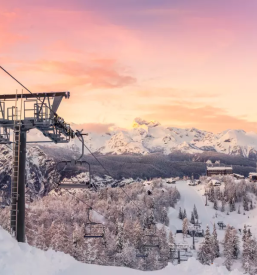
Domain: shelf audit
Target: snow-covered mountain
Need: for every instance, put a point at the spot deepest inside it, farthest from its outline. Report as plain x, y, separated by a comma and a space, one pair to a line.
151, 137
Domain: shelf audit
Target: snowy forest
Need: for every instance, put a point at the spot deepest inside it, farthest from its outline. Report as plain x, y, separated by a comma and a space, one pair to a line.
58, 221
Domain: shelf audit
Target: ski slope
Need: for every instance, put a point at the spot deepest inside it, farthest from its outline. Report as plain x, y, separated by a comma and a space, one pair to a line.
22, 259
189, 197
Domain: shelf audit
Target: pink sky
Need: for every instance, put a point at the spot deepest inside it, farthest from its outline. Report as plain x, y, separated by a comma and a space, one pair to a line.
183, 63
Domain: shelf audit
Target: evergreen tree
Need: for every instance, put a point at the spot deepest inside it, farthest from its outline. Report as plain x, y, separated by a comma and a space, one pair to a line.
249, 254
120, 238
251, 205
164, 216
180, 214
192, 218
205, 253
249, 234
228, 248
212, 194
184, 214
245, 204
215, 205
215, 242
195, 213
244, 234
171, 245
185, 227
232, 205
223, 206
217, 193
239, 212
235, 242
138, 233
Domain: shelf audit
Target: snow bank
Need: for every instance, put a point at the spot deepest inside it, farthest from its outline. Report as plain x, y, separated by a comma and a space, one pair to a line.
22, 259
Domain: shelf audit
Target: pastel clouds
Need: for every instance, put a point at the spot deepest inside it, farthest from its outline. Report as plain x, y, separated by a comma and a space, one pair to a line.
180, 62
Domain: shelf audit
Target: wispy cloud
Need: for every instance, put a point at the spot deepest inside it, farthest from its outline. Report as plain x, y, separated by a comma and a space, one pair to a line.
206, 117
96, 73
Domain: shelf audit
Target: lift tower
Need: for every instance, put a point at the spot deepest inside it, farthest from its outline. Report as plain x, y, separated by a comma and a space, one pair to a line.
21, 113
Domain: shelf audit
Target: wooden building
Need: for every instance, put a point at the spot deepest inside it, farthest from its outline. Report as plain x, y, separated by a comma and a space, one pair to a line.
219, 170
253, 176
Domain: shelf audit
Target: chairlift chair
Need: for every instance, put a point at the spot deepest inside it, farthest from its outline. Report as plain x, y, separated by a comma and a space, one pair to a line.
164, 257
69, 166
151, 241
93, 229
141, 253
150, 228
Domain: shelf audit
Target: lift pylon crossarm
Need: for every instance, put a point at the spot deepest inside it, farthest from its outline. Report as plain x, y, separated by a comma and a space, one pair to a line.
34, 95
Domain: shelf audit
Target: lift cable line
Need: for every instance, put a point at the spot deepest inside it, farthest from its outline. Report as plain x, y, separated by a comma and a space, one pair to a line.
50, 124
76, 132
109, 174
20, 120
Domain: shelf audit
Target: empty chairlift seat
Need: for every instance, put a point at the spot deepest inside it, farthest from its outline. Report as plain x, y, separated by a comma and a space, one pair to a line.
93, 229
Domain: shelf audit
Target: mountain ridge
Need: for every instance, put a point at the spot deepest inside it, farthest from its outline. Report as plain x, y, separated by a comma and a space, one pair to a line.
151, 137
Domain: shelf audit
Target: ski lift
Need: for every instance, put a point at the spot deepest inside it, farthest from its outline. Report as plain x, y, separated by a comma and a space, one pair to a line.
151, 241
93, 229
141, 253
164, 257
69, 166
150, 228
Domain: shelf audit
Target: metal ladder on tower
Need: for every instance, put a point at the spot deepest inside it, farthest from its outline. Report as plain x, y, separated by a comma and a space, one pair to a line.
15, 174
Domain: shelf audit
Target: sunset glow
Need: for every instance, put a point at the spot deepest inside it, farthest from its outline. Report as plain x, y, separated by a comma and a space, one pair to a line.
182, 63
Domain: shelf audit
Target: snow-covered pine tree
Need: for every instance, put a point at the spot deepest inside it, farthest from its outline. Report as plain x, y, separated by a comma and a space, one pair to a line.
164, 216
239, 211
228, 248
180, 214
223, 205
235, 242
217, 193
120, 238
138, 235
171, 245
245, 204
195, 213
215, 242
185, 227
232, 205
192, 218
212, 194
184, 214
249, 234
249, 254
244, 234
215, 205
205, 254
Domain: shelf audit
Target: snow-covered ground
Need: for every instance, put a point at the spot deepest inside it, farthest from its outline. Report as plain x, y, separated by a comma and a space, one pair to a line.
191, 195
22, 259
194, 195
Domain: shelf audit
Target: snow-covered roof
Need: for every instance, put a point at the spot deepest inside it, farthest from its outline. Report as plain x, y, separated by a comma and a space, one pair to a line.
253, 174
219, 168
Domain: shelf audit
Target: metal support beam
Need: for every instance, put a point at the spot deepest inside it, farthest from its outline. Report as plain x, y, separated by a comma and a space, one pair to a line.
20, 234
34, 95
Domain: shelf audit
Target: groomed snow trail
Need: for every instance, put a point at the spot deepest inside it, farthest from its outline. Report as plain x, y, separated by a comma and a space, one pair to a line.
22, 259
190, 197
